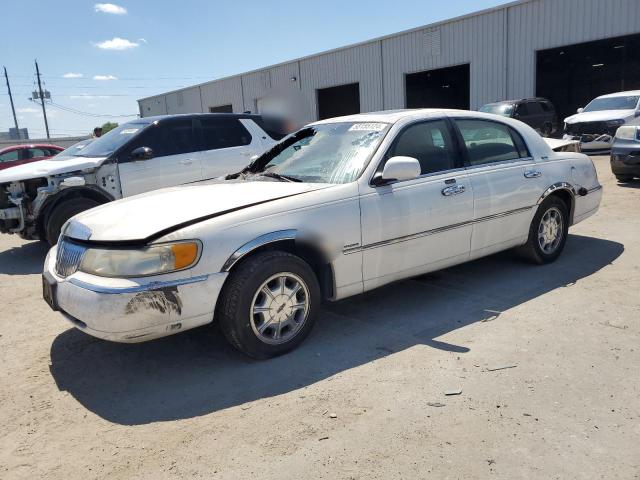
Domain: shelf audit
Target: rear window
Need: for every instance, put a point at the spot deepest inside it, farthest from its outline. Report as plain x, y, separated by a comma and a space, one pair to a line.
220, 133
274, 127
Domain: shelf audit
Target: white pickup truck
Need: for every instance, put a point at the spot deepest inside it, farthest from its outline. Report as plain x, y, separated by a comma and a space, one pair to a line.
36, 199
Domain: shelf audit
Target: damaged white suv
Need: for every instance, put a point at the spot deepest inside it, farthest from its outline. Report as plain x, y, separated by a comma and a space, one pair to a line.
36, 199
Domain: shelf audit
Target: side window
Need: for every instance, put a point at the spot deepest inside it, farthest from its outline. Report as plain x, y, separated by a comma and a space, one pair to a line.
223, 133
179, 137
430, 143
36, 152
522, 110
534, 108
9, 156
153, 137
545, 106
489, 142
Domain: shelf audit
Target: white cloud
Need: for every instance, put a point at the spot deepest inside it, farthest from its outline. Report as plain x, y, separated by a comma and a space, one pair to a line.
72, 75
143, 40
27, 110
110, 8
104, 77
117, 43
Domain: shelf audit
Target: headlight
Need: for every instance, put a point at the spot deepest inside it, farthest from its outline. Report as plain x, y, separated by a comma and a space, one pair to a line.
139, 262
626, 132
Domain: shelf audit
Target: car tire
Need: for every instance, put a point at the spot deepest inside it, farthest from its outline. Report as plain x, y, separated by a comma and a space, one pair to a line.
624, 178
269, 304
63, 212
548, 232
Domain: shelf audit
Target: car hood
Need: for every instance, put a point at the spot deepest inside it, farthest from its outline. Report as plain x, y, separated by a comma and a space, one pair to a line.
47, 168
600, 116
143, 218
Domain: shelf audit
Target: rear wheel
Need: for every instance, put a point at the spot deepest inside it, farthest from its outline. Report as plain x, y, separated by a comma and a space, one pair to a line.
269, 304
624, 178
548, 232
63, 212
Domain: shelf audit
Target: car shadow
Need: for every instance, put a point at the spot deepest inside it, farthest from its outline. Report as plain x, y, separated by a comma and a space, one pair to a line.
26, 259
197, 372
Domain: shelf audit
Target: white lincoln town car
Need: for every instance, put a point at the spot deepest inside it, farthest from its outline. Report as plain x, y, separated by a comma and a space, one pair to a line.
338, 208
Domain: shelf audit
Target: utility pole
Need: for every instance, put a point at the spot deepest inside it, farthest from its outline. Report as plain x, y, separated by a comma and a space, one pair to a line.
44, 111
15, 119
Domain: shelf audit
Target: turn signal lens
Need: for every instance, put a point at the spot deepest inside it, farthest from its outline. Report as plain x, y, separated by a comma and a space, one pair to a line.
184, 254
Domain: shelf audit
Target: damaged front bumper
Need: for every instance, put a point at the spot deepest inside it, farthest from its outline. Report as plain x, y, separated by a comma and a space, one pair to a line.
592, 143
131, 310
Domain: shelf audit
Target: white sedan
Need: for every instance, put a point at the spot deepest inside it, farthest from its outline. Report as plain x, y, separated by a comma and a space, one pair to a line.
340, 207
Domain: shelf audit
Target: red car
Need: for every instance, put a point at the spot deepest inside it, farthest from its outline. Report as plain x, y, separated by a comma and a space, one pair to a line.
19, 154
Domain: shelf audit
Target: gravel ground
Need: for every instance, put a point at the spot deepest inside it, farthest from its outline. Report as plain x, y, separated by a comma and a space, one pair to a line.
364, 397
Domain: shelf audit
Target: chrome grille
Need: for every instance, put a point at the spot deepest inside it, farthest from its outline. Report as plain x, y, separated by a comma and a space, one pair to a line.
69, 257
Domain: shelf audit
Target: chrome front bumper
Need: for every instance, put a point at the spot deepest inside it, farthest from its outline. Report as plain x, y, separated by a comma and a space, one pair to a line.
133, 310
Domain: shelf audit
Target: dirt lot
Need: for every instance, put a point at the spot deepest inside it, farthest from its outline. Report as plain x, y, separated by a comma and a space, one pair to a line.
356, 401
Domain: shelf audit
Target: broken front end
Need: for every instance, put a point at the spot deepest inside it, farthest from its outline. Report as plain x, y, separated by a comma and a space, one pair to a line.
594, 137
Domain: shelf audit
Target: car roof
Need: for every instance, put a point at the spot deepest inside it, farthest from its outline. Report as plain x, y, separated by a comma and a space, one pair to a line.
621, 94
159, 118
529, 99
29, 145
394, 116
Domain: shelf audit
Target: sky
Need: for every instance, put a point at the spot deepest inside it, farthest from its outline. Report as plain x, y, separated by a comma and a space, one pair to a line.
97, 59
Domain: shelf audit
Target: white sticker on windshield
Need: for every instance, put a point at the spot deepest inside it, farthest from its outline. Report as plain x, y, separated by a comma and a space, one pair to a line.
129, 131
367, 127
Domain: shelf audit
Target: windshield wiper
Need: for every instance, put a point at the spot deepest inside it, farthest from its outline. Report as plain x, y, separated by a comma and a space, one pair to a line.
277, 176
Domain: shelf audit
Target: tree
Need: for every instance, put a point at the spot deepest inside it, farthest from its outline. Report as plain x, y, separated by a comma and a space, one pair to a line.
108, 126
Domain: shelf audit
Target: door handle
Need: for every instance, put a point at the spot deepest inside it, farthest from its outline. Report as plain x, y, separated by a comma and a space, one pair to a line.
187, 161
532, 174
453, 190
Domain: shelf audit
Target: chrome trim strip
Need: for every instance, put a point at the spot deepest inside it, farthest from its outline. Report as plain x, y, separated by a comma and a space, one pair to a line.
557, 186
434, 231
594, 189
139, 288
256, 243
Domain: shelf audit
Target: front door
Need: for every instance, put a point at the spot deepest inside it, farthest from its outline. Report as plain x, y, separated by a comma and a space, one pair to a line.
419, 225
175, 159
506, 181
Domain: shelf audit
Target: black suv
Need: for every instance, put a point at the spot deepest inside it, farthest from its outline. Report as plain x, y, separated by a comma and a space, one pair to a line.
538, 113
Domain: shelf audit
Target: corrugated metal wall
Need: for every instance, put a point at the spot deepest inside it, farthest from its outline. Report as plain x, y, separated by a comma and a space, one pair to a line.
500, 45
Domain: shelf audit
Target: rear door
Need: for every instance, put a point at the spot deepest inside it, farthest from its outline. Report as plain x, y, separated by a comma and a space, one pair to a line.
227, 145
506, 181
175, 160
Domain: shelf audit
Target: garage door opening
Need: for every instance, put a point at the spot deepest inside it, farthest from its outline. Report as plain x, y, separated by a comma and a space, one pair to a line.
338, 101
221, 109
441, 88
573, 75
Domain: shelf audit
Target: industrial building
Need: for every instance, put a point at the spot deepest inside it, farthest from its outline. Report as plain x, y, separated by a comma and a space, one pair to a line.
566, 50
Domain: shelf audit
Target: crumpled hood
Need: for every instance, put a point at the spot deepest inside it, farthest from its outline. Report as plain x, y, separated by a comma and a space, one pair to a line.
600, 116
150, 215
47, 168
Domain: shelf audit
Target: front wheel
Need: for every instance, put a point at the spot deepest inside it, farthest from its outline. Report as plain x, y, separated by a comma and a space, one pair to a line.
63, 212
548, 232
269, 304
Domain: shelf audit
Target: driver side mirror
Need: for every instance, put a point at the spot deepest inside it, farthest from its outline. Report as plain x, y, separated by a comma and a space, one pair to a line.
398, 169
580, 110
141, 153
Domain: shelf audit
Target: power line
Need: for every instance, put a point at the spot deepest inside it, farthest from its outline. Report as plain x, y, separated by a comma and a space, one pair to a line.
89, 114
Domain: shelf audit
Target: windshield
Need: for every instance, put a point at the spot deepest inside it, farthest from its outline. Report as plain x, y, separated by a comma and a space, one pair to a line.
613, 103
327, 153
504, 109
111, 141
72, 151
